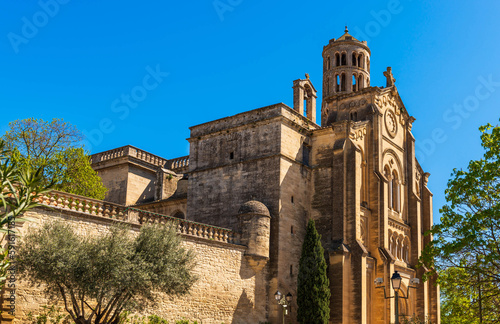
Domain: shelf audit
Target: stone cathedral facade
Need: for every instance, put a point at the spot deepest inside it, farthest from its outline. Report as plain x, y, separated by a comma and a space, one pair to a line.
259, 176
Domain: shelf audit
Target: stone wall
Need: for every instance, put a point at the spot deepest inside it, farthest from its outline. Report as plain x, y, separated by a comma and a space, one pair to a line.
141, 185
231, 166
225, 292
295, 176
133, 176
114, 178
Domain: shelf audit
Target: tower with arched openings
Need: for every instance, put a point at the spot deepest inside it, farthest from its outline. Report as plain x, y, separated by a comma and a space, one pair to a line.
346, 69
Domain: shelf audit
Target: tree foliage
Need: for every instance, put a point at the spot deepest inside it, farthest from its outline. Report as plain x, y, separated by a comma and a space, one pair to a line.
313, 291
458, 294
465, 251
98, 277
19, 188
55, 147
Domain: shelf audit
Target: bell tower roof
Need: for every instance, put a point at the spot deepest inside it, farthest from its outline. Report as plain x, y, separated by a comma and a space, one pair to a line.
347, 36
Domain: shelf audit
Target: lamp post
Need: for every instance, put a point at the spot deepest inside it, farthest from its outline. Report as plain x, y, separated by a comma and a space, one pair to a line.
396, 285
283, 301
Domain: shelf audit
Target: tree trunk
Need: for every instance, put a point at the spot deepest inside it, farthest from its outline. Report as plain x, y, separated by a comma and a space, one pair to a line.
82, 320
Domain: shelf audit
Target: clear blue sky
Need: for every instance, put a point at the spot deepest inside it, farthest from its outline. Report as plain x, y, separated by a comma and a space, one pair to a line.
81, 60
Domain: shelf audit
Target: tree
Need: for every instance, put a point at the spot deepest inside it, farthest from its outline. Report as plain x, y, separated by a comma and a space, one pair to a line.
456, 296
98, 277
19, 189
465, 251
313, 291
55, 147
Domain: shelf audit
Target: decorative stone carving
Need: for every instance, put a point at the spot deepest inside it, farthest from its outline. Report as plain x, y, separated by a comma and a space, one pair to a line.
387, 100
426, 178
391, 123
411, 119
358, 134
353, 103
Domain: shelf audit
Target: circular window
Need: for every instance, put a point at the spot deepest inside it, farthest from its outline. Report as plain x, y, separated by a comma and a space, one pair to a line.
391, 123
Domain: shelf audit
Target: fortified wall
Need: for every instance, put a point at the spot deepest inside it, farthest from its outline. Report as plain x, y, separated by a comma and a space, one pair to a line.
225, 292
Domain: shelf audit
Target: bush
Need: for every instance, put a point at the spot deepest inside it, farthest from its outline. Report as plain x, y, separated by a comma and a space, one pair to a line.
49, 315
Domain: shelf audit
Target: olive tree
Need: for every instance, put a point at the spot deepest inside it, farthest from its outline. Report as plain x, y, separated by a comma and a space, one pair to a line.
97, 277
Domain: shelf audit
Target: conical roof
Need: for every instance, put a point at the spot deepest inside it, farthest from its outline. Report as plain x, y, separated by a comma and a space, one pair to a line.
254, 207
347, 36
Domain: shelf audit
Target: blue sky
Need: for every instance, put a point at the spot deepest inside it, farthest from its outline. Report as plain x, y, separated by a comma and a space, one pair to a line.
89, 63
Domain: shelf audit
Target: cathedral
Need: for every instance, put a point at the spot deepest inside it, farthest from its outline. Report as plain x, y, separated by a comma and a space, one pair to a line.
262, 174
355, 174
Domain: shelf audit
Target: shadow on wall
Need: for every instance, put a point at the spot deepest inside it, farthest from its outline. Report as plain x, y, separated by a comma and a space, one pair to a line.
148, 194
244, 310
252, 305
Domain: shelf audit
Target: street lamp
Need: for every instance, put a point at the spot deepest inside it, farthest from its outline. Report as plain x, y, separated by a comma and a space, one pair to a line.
396, 285
284, 302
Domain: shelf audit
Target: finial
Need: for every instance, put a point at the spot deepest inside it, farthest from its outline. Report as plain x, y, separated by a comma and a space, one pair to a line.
307, 75
346, 29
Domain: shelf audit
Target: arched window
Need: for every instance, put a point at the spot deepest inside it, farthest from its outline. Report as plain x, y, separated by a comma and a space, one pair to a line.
344, 59
337, 83
364, 185
360, 60
337, 59
406, 251
360, 82
179, 214
396, 192
403, 303
393, 247
400, 248
354, 63
354, 88
389, 191
328, 63
342, 82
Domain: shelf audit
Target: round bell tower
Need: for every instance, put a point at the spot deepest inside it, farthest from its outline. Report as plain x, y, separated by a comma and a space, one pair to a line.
346, 68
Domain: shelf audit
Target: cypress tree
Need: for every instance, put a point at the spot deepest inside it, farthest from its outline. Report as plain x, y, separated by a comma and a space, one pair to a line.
313, 291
